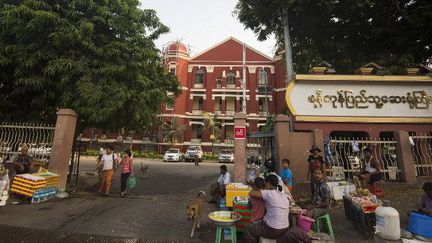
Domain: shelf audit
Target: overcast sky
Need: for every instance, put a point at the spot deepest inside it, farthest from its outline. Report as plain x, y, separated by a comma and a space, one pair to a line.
202, 23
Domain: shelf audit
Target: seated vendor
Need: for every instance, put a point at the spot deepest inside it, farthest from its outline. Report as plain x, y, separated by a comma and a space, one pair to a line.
218, 189
275, 222
321, 196
425, 202
23, 162
371, 169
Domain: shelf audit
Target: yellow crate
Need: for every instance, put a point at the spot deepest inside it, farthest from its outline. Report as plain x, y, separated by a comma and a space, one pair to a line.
233, 191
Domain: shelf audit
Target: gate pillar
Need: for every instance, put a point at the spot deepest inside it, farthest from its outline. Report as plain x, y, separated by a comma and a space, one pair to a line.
281, 128
239, 149
405, 158
62, 144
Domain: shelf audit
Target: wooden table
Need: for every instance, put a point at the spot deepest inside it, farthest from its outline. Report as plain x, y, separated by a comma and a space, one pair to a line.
362, 221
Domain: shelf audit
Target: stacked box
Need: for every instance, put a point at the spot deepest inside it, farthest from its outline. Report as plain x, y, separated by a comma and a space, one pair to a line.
236, 189
241, 207
52, 178
44, 194
27, 184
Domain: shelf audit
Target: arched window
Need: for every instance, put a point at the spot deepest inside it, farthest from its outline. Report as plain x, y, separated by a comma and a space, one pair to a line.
262, 81
230, 78
199, 77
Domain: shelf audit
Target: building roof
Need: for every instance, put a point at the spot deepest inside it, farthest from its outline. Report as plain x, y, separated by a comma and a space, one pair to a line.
176, 46
230, 50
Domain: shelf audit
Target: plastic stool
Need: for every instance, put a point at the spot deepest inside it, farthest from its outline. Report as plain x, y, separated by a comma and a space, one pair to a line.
219, 233
265, 240
327, 221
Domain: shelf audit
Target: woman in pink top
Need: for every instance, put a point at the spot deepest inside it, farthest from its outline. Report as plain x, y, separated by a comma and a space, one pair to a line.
127, 170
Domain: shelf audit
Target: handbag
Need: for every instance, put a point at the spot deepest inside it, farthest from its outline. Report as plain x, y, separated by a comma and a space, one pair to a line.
131, 182
115, 165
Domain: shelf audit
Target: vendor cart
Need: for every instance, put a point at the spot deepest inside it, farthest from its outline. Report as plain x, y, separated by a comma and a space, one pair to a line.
363, 219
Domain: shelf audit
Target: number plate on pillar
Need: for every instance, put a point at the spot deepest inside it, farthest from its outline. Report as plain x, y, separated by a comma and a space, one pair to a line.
240, 133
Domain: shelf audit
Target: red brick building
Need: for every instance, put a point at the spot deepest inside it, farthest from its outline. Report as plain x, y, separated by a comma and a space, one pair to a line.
212, 82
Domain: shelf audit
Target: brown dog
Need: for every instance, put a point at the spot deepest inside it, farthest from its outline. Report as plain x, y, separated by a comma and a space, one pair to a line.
143, 169
193, 210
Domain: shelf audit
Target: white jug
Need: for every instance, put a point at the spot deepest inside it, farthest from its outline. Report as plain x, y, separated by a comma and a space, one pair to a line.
387, 222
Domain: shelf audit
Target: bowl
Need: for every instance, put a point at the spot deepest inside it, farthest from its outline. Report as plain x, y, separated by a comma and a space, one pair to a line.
224, 218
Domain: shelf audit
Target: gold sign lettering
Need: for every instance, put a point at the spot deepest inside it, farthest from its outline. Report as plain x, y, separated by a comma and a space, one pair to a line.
347, 99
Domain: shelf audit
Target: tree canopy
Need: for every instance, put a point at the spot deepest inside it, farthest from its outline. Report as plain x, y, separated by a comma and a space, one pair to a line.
348, 34
97, 57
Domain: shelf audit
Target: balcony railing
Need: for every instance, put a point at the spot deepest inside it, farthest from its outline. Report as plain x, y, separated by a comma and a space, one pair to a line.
218, 112
198, 86
196, 140
197, 112
264, 113
229, 113
229, 140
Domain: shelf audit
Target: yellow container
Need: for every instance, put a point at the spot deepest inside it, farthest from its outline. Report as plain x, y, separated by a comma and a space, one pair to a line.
236, 189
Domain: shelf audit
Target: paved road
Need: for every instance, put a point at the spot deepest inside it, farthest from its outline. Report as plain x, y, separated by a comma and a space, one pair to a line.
154, 210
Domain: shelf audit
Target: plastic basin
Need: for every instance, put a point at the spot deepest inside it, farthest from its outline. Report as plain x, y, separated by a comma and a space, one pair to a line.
420, 224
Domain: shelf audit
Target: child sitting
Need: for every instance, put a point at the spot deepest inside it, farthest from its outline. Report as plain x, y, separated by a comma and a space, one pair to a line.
425, 202
257, 205
320, 197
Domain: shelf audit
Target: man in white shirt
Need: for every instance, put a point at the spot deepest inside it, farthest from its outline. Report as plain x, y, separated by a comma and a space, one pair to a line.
217, 189
109, 162
224, 179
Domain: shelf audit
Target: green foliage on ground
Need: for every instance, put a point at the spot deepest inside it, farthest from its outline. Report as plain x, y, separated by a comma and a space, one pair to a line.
96, 57
210, 156
348, 34
135, 154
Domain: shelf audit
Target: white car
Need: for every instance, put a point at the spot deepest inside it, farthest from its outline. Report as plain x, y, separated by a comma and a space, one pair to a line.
173, 154
192, 152
41, 149
226, 156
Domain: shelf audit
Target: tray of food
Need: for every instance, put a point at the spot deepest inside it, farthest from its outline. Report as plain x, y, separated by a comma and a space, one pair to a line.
224, 218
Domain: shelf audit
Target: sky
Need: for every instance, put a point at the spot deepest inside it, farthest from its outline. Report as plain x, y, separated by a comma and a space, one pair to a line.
200, 24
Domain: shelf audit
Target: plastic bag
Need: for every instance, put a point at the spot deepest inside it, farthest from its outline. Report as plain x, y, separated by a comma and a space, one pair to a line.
131, 182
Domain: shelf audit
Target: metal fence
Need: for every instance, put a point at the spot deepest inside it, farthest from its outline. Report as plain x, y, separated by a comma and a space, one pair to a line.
345, 155
260, 147
421, 148
38, 137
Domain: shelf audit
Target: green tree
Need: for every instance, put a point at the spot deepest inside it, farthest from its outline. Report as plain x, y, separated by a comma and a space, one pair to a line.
211, 123
349, 33
173, 130
97, 57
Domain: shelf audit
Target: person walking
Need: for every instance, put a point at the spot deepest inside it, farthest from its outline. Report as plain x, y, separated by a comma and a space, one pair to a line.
127, 170
196, 157
109, 161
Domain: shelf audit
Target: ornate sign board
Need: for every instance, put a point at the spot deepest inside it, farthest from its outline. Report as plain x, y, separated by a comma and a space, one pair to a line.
356, 98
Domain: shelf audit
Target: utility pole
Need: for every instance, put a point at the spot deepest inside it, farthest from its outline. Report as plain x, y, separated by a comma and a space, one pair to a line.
288, 57
244, 79
288, 51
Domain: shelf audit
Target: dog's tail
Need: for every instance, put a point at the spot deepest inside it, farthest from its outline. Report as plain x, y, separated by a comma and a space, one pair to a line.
201, 195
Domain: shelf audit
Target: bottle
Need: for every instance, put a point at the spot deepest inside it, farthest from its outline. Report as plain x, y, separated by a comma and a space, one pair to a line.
387, 222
